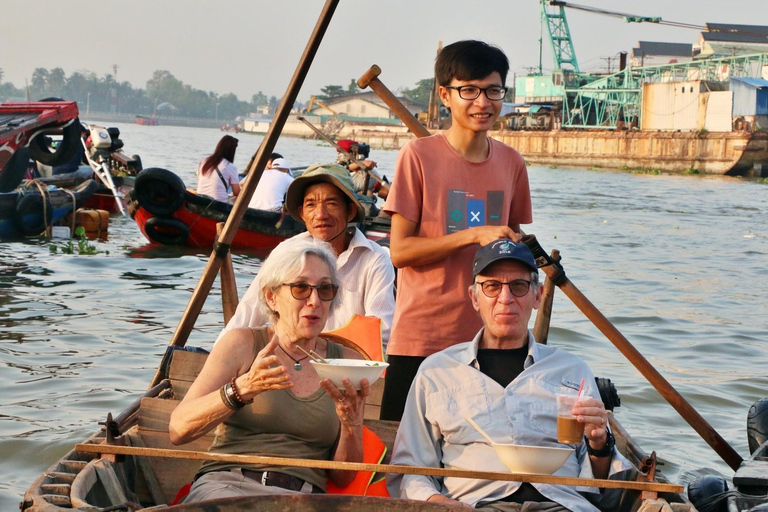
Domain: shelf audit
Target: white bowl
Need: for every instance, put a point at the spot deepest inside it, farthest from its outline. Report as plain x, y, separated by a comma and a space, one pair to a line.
537, 460
354, 369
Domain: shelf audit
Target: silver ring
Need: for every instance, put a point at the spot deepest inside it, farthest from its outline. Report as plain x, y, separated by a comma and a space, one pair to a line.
341, 399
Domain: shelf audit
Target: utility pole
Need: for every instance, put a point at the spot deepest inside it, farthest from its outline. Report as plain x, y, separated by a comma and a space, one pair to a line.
608, 60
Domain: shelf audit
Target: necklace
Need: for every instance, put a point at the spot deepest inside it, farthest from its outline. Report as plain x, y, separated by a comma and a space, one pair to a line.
296, 362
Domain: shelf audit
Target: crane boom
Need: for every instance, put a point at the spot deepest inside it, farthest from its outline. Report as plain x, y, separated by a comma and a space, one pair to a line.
559, 35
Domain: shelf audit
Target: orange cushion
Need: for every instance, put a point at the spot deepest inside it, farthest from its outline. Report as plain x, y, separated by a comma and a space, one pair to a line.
364, 331
373, 453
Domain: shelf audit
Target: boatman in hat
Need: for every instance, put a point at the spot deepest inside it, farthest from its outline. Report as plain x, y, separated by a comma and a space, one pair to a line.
506, 383
358, 167
323, 198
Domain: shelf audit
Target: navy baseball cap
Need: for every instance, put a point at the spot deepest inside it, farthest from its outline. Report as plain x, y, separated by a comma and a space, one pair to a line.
502, 249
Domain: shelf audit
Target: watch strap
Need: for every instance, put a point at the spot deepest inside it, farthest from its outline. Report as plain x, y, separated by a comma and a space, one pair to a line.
606, 450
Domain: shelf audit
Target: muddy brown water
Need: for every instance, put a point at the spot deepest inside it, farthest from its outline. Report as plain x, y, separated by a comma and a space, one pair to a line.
678, 263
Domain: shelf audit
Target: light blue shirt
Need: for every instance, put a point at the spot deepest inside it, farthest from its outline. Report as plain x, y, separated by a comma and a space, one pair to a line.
450, 385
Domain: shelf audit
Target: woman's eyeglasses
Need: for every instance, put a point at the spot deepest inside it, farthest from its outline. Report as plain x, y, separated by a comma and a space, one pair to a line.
518, 287
301, 291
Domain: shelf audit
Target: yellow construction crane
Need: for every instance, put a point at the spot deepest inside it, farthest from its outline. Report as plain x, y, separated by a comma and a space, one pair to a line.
313, 101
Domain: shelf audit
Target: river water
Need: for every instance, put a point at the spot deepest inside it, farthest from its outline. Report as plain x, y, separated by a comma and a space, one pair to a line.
678, 263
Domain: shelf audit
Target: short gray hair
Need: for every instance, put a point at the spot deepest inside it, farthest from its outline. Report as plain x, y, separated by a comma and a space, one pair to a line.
287, 260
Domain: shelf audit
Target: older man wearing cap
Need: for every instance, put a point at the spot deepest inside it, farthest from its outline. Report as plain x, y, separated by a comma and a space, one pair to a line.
323, 198
272, 187
506, 383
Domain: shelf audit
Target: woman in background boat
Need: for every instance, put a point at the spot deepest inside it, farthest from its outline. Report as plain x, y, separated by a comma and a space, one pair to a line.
258, 387
216, 174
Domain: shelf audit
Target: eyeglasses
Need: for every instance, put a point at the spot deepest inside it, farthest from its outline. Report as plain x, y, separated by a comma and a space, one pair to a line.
472, 92
518, 287
301, 291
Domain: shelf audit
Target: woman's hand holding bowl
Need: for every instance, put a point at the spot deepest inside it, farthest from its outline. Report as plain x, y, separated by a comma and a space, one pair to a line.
350, 403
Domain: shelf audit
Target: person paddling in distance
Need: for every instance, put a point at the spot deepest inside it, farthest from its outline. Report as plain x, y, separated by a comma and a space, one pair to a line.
451, 193
323, 198
259, 389
507, 383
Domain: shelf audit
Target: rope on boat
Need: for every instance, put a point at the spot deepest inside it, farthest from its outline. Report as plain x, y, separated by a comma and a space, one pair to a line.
74, 209
43, 193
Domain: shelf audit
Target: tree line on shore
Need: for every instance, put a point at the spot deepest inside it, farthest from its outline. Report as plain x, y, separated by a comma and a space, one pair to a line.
164, 94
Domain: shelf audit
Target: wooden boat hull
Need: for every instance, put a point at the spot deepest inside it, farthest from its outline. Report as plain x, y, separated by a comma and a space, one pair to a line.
308, 503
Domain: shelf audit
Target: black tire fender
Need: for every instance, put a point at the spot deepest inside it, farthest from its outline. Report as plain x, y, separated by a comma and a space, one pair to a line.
32, 204
66, 150
14, 170
167, 231
159, 191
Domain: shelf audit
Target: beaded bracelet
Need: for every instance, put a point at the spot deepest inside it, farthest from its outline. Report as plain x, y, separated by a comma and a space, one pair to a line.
231, 396
225, 397
237, 395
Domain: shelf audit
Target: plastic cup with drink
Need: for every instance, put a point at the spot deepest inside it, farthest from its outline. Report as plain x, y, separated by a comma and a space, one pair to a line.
569, 429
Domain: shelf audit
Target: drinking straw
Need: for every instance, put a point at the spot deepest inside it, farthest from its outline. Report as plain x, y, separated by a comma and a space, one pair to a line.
581, 389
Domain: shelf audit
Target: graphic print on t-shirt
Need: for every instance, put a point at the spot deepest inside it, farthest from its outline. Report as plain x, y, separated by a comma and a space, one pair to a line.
495, 207
456, 218
464, 211
475, 212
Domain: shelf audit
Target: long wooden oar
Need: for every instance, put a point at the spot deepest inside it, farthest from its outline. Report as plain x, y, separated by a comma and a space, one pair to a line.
371, 78
706, 431
256, 168
378, 468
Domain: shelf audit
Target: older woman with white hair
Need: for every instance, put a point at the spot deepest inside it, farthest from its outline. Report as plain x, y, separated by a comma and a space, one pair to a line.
258, 389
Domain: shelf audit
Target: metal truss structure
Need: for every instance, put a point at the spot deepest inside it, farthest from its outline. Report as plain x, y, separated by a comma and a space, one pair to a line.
614, 101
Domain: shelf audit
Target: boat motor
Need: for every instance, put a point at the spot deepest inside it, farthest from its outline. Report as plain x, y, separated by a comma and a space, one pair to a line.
757, 424
100, 138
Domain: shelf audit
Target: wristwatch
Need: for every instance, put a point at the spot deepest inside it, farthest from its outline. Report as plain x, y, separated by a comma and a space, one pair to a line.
606, 450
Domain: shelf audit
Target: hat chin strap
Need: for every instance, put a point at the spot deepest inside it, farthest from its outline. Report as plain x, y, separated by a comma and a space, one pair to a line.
337, 236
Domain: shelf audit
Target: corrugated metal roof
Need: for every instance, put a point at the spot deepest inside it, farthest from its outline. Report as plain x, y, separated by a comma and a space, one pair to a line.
733, 38
758, 83
736, 33
734, 28
660, 48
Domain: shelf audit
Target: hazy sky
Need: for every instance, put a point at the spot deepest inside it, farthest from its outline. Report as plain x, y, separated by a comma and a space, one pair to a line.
249, 46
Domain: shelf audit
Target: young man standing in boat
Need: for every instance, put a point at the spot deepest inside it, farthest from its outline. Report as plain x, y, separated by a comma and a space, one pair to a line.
323, 198
507, 384
451, 192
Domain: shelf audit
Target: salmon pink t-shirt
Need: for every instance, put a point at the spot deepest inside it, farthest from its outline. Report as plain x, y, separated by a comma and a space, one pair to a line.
442, 192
